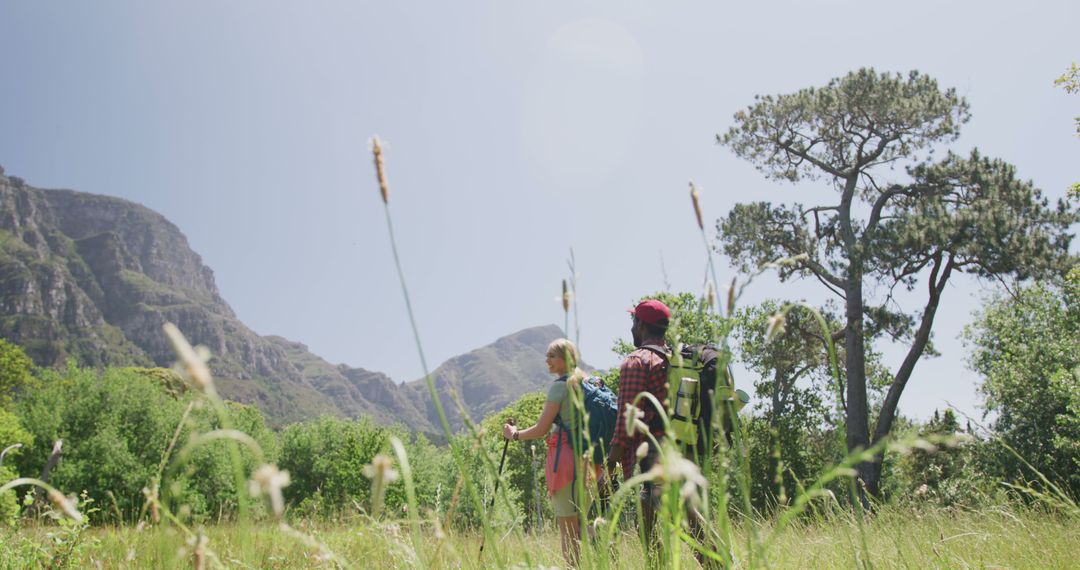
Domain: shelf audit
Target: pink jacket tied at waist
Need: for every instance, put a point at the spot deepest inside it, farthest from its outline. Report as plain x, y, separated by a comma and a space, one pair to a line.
565, 475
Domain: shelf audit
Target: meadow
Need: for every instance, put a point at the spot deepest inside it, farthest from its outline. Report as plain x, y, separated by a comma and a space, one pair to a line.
1002, 537
180, 478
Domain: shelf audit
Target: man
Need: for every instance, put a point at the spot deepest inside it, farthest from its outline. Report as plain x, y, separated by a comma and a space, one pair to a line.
643, 371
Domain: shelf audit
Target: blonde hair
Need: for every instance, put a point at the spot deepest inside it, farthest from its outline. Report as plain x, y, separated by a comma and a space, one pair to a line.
566, 350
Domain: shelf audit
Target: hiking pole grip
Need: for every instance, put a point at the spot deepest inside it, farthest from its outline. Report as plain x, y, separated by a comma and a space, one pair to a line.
502, 461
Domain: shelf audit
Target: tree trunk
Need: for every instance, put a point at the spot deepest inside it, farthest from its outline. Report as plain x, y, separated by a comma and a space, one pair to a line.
858, 416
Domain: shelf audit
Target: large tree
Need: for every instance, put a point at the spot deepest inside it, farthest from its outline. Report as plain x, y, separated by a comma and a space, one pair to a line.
968, 215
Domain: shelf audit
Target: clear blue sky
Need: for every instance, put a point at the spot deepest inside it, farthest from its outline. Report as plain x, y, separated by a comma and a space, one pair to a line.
515, 130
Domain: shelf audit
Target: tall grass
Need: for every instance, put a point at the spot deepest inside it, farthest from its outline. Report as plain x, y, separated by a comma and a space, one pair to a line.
1006, 536
467, 477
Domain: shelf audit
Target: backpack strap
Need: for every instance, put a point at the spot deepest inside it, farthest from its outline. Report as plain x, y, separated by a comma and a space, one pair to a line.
659, 350
563, 429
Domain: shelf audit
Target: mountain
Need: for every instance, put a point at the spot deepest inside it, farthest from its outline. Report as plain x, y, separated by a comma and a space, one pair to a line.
93, 278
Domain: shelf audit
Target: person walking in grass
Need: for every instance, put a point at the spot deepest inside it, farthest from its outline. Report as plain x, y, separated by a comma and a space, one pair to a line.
562, 359
646, 370
643, 370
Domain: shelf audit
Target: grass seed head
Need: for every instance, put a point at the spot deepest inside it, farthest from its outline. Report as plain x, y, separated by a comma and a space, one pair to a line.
152, 501
695, 197
380, 169
381, 468
677, 468
381, 472
731, 297
65, 505
192, 361
633, 415
270, 480
565, 297
776, 326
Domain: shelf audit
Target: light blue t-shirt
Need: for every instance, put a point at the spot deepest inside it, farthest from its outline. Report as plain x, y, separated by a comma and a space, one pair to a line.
559, 393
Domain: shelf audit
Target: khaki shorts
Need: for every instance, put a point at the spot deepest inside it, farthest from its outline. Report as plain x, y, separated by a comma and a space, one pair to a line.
564, 501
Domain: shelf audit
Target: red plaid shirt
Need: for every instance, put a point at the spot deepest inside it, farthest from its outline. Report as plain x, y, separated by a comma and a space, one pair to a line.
642, 371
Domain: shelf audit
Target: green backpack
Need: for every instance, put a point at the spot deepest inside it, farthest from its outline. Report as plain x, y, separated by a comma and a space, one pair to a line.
691, 386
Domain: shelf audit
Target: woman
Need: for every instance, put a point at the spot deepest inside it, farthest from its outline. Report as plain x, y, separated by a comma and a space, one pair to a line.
562, 358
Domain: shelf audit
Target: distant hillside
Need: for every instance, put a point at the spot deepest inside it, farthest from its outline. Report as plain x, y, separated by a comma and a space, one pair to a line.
92, 278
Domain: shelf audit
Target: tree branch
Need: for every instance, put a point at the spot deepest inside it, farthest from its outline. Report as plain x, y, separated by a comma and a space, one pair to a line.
823, 274
802, 154
879, 204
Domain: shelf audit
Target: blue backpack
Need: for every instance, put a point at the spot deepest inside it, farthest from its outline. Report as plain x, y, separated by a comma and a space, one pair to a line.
602, 408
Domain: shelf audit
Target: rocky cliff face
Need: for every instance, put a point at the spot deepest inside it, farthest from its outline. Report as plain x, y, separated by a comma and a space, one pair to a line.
93, 278
489, 378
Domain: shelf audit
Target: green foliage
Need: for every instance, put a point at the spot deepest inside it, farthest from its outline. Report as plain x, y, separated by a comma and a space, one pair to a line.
1005, 536
116, 426
800, 398
951, 473
11, 433
15, 367
65, 544
784, 456
326, 458
794, 438
206, 485
1028, 350
523, 473
794, 374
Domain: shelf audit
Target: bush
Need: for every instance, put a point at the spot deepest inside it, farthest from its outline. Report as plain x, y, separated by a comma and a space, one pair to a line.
325, 460
116, 426
1028, 349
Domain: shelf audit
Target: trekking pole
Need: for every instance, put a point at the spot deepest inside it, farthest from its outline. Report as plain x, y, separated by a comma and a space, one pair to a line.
498, 478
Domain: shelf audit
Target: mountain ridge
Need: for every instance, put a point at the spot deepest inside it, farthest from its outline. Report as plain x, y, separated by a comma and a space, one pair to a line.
93, 278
